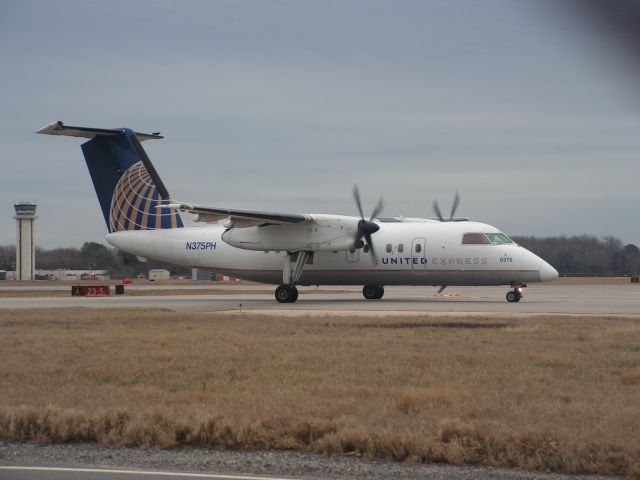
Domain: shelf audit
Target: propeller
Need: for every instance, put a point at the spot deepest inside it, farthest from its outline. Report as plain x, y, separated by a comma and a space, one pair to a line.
366, 228
454, 207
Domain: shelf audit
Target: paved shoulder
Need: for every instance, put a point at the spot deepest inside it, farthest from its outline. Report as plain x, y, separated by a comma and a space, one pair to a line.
92, 462
22, 472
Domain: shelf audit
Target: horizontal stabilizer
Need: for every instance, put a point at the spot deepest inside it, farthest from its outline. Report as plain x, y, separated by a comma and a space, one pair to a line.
59, 128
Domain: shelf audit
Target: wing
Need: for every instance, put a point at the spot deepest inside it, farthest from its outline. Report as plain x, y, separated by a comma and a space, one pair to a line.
240, 218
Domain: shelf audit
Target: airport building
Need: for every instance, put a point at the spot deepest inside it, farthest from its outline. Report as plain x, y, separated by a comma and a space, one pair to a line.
66, 274
159, 274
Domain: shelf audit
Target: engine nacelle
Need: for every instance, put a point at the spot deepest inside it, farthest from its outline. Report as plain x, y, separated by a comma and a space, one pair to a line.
324, 234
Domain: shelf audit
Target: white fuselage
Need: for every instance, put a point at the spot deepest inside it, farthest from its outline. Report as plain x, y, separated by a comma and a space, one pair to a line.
413, 252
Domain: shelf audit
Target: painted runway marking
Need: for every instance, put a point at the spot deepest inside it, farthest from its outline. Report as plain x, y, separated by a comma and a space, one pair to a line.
141, 472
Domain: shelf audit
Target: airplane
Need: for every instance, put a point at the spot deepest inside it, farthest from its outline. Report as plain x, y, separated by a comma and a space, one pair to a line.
290, 249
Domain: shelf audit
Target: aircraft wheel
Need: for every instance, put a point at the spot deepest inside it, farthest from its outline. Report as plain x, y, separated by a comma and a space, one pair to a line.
513, 296
372, 292
286, 294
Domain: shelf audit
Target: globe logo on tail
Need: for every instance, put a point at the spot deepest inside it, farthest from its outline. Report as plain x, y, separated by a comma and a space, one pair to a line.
136, 203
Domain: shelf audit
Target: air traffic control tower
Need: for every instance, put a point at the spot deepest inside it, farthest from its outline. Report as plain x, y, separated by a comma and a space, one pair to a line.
25, 244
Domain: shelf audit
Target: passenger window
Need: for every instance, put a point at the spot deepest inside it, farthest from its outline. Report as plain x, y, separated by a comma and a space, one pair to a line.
475, 239
389, 248
400, 248
418, 248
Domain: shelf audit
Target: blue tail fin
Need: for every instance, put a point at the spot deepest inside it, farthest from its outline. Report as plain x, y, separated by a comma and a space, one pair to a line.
130, 192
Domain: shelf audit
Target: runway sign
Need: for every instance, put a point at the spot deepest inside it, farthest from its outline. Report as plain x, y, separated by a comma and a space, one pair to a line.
90, 291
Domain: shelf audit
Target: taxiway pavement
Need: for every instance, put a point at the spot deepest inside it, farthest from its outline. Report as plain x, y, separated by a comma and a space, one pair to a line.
538, 299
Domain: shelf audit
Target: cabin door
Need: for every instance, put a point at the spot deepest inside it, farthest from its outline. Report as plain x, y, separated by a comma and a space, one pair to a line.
418, 256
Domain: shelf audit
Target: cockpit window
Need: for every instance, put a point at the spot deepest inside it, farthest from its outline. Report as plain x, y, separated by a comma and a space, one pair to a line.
498, 238
475, 239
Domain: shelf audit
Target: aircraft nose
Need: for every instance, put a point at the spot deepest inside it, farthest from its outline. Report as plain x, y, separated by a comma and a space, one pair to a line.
547, 272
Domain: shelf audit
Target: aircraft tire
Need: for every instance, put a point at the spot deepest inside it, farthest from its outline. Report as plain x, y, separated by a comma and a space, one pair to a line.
286, 294
513, 296
372, 292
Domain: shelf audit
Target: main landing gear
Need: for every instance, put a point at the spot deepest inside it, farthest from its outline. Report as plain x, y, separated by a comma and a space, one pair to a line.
286, 293
372, 292
294, 263
515, 295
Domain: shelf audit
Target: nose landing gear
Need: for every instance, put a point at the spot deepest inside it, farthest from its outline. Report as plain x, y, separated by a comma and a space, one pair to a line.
515, 295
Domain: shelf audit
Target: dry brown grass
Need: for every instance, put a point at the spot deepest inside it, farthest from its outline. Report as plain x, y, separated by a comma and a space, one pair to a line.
631, 377
546, 393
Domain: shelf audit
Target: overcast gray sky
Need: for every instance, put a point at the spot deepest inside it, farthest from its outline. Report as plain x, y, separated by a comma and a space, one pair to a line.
284, 105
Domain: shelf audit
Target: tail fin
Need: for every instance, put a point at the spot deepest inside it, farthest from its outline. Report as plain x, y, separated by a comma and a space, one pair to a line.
130, 191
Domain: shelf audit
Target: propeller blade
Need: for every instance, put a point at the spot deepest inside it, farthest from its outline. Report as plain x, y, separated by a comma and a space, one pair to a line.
436, 209
372, 250
456, 201
356, 195
377, 210
366, 228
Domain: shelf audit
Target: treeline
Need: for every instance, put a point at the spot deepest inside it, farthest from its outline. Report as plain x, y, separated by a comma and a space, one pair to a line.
585, 255
571, 256
91, 256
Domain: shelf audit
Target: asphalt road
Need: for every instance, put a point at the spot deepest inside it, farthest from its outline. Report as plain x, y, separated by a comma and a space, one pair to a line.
93, 462
83, 473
